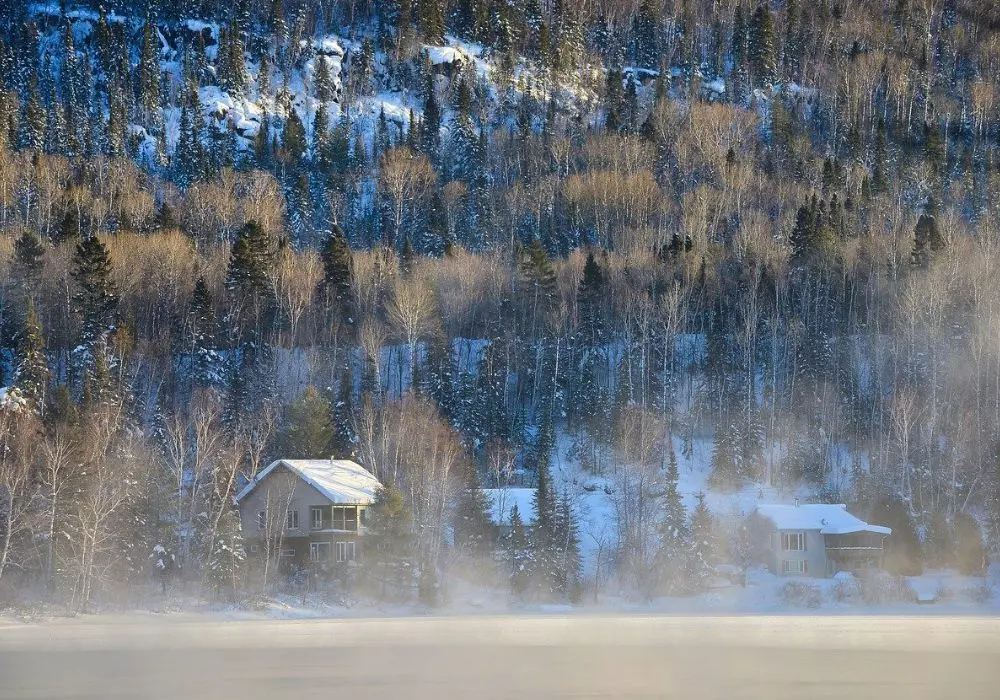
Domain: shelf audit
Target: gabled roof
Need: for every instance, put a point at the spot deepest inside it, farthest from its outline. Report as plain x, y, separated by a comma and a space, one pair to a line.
828, 518
502, 502
340, 480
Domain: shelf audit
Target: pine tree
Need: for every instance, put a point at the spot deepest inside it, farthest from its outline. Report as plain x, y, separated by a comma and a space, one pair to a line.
430, 16
567, 543
338, 277
224, 569
201, 327
33, 121
672, 529
293, 139
389, 557
545, 546
96, 298
471, 520
702, 548
309, 427
149, 74
645, 42
430, 130
519, 549
927, 236
322, 81
32, 374
344, 436
27, 261
589, 299
740, 55
251, 263
762, 52
970, 552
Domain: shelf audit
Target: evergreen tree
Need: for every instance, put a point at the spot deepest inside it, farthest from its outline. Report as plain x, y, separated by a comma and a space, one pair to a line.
33, 122
293, 139
430, 16
338, 278
344, 436
149, 74
27, 261
762, 51
96, 298
645, 40
201, 327
590, 299
927, 236
322, 81
32, 373
903, 552
471, 522
567, 544
939, 543
672, 529
970, 552
251, 264
740, 74
224, 569
519, 550
309, 428
389, 557
430, 130
702, 548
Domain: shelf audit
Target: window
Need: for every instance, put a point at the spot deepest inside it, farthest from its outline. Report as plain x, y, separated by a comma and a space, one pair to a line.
794, 567
253, 549
292, 520
290, 552
793, 541
262, 520
316, 517
319, 551
345, 518
345, 551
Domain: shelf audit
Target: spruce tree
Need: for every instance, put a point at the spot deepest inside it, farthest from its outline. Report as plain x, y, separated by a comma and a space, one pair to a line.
293, 139
645, 40
739, 78
96, 298
27, 261
430, 130
32, 373
927, 236
471, 520
338, 277
149, 74
226, 561
251, 264
201, 328
344, 436
309, 429
970, 552
520, 553
322, 81
590, 300
672, 528
702, 548
762, 51
33, 121
389, 557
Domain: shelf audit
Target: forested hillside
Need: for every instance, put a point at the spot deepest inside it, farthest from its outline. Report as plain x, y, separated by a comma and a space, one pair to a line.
502, 242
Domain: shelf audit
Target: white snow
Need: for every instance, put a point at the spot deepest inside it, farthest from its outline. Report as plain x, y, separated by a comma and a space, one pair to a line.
11, 399
718, 86
828, 518
340, 480
502, 502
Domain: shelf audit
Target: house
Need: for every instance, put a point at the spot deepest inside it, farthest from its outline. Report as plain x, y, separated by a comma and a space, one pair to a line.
313, 510
814, 539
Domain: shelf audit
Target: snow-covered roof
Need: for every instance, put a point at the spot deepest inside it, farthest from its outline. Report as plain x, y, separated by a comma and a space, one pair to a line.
340, 480
502, 502
828, 518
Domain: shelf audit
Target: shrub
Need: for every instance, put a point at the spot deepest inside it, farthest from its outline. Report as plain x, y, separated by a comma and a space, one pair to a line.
799, 594
880, 587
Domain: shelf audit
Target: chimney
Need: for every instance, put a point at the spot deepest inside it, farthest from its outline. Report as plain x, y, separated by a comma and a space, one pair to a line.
796, 503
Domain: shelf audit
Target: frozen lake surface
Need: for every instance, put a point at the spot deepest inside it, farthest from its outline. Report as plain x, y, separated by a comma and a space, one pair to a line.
531, 656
